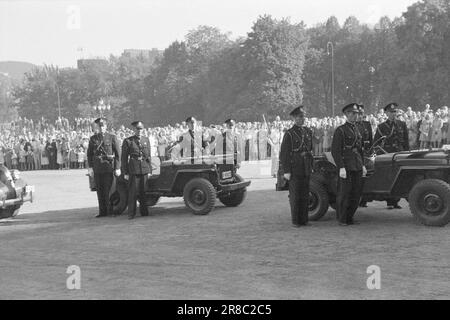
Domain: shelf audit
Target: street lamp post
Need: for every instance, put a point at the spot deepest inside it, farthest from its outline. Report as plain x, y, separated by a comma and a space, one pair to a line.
102, 107
330, 51
59, 100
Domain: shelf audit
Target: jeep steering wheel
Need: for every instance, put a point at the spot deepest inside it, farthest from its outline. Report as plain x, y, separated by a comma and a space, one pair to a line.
377, 146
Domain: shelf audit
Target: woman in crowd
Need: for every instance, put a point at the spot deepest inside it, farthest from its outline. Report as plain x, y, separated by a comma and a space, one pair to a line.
436, 135
44, 155
425, 131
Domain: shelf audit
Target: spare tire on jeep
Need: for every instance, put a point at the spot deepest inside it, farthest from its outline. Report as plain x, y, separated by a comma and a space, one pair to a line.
318, 201
199, 196
429, 201
119, 198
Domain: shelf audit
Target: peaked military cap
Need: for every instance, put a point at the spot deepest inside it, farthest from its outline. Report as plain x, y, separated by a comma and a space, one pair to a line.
391, 107
190, 119
100, 120
138, 124
299, 111
352, 107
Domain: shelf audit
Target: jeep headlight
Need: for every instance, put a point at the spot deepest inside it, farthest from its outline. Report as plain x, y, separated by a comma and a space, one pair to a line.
227, 175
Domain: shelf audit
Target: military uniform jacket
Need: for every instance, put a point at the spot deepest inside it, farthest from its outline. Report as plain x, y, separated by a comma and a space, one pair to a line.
295, 154
136, 156
365, 129
346, 148
396, 133
103, 153
193, 143
230, 144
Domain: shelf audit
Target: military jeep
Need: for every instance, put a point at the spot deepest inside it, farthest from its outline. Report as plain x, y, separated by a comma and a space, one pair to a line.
199, 181
14, 192
421, 177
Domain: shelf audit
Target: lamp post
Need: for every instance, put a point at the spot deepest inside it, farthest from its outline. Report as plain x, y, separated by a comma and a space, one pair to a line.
330, 51
57, 93
371, 72
102, 107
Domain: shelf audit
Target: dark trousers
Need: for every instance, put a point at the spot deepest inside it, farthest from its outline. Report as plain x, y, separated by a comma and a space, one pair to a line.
393, 202
299, 198
136, 190
103, 183
349, 196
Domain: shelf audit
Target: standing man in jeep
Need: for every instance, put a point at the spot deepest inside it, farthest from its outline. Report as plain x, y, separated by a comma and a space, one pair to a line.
192, 143
296, 161
397, 139
347, 151
103, 155
230, 142
365, 128
137, 168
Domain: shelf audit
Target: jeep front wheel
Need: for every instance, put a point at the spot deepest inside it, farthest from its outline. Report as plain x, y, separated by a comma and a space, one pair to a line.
234, 199
9, 212
429, 201
318, 201
199, 196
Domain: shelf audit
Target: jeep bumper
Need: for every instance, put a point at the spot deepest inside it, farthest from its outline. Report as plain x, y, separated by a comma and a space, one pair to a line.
234, 186
24, 194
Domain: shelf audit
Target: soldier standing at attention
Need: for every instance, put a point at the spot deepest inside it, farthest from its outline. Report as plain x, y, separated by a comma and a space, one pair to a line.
137, 168
104, 161
365, 128
296, 161
347, 152
397, 139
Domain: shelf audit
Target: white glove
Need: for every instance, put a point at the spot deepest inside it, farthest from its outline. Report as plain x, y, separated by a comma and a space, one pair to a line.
90, 172
287, 176
117, 173
364, 171
343, 173
126, 177
149, 175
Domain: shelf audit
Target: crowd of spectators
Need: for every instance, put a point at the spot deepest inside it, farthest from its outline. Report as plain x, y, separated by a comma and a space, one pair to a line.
34, 145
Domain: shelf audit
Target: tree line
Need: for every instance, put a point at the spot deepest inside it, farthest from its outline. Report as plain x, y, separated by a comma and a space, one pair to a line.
278, 65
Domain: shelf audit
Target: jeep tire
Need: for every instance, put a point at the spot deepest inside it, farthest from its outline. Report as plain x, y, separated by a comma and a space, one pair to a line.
199, 196
234, 199
9, 212
429, 201
318, 201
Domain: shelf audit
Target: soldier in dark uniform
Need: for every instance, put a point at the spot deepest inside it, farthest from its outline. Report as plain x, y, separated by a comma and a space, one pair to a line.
347, 152
230, 141
137, 168
397, 140
296, 162
104, 161
365, 129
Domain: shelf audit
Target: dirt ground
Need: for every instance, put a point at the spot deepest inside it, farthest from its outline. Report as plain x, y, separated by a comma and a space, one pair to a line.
250, 252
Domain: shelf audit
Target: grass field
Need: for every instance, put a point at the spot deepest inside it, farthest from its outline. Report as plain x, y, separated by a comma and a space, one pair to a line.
249, 252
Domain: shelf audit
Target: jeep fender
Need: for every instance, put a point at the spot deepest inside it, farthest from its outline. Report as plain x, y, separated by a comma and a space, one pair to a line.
184, 176
407, 177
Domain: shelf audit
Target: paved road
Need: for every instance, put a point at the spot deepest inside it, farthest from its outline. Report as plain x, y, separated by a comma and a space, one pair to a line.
250, 252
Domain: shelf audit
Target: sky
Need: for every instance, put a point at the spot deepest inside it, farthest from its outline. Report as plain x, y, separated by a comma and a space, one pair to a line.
61, 31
